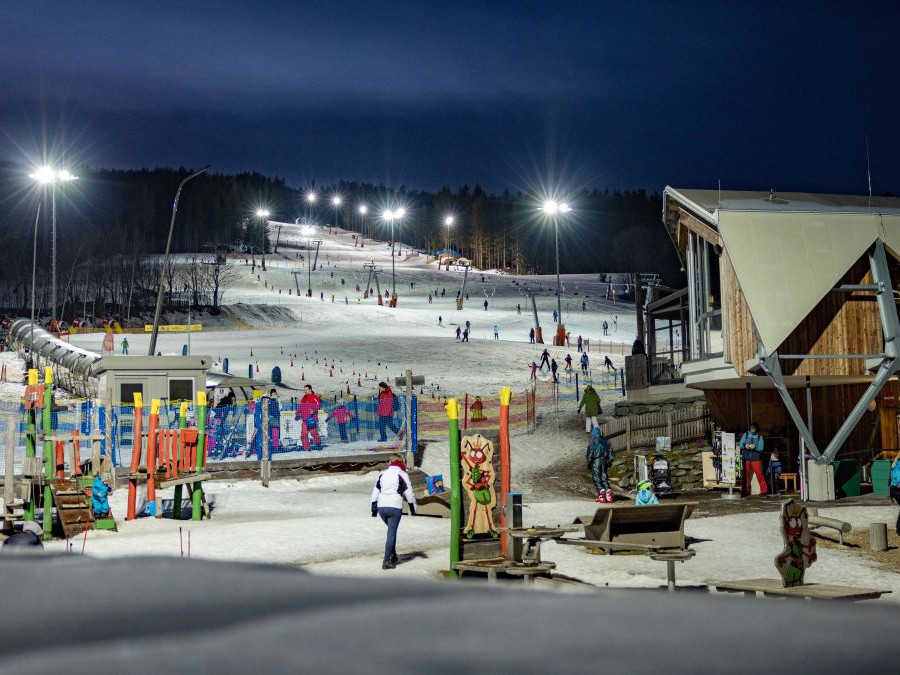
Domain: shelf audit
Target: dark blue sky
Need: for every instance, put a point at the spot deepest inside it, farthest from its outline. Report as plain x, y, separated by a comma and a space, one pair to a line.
509, 94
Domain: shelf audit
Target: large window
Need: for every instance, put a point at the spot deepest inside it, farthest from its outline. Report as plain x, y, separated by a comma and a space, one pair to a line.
705, 298
181, 390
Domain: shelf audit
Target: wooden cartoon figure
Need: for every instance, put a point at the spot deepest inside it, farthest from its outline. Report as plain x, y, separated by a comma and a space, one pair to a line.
799, 546
478, 481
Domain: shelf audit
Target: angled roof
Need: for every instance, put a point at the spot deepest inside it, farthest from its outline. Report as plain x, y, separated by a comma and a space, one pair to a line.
790, 249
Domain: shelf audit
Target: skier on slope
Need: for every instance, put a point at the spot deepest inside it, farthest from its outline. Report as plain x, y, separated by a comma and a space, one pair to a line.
545, 358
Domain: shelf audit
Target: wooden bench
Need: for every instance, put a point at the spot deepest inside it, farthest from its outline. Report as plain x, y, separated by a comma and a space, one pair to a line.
773, 587
630, 527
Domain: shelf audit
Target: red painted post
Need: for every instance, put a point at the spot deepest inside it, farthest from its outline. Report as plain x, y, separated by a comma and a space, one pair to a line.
151, 450
60, 459
135, 457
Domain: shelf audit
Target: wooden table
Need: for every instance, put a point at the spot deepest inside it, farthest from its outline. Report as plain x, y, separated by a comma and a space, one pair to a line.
496, 566
773, 587
670, 558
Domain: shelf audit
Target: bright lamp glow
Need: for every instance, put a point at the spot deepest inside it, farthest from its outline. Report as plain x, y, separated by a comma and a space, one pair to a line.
306, 229
336, 200
399, 213
64, 176
448, 221
363, 209
43, 175
262, 213
311, 197
552, 207
564, 208
388, 214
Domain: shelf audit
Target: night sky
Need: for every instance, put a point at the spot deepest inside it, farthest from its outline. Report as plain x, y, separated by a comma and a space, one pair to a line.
511, 95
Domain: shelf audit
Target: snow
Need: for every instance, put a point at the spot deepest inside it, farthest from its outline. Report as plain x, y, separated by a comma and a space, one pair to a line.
322, 522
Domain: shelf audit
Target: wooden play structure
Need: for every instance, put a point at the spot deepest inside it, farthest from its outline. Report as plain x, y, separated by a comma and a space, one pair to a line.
163, 458
798, 555
46, 482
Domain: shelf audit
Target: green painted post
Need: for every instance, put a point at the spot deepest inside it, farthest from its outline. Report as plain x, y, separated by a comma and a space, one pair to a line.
182, 424
197, 494
49, 458
31, 444
455, 485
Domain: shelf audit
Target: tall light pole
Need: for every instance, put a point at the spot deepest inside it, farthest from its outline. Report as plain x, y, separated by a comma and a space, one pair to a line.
159, 292
336, 203
48, 175
391, 216
553, 210
448, 221
363, 210
310, 202
263, 214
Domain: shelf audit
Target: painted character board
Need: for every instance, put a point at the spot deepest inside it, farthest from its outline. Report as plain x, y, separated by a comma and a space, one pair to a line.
478, 476
799, 546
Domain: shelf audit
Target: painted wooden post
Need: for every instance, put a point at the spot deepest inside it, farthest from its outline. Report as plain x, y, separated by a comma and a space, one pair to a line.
455, 484
264, 440
31, 446
9, 486
197, 494
182, 425
48, 453
505, 467
151, 450
135, 457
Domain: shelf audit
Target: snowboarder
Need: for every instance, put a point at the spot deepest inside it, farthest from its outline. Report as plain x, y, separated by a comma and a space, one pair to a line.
584, 363
598, 456
579, 343
531, 336
545, 358
485, 305
308, 414
534, 368
125, 346
341, 415
608, 363
388, 404
391, 488
590, 401
496, 332
605, 328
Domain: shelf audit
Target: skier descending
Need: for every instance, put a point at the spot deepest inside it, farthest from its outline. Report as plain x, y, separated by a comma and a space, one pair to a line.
545, 359
584, 363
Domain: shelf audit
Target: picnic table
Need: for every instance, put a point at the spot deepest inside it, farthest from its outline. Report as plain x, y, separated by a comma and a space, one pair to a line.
774, 587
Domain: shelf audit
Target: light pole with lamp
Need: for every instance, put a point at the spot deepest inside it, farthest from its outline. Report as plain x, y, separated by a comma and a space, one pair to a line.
47, 175
448, 222
363, 210
391, 216
553, 209
159, 292
336, 203
263, 214
310, 202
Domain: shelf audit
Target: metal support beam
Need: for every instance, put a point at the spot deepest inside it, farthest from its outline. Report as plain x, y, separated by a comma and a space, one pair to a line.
890, 364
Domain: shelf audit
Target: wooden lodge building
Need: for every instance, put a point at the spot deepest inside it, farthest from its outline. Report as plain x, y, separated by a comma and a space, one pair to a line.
789, 317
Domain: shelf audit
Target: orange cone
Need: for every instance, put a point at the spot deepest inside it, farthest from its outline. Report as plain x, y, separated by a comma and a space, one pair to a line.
257, 366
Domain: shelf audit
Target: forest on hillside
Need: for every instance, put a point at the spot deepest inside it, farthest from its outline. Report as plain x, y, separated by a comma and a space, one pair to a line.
110, 224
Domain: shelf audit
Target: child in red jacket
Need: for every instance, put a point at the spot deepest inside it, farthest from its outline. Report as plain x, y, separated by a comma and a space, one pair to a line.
342, 415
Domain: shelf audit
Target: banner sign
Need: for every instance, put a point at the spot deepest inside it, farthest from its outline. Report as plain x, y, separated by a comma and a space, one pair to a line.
175, 328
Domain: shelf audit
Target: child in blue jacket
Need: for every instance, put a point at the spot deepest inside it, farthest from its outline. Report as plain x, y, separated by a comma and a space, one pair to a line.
99, 497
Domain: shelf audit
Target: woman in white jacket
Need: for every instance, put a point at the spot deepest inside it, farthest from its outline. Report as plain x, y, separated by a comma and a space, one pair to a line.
392, 486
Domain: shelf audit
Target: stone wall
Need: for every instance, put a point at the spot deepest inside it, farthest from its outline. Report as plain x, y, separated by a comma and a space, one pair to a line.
684, 462
626, 408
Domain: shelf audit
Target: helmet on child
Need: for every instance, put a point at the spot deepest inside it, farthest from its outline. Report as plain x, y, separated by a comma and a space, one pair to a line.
645, 485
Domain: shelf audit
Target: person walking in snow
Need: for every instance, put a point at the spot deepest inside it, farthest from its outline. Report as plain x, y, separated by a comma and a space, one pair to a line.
553, 368
555, 316
545, 358
519, 308
496, 332
608, 363
125, 346
584, 363
388, 404
579, 343
590, 401
391, 488
534, 368
440, 320
458, 333
465, 337
568, 361
274, 421
531, 336
308, 415
605, 328
485, 305
598, 457
583, 306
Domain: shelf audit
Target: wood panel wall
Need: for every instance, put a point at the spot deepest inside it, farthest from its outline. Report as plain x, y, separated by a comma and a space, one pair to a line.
831, 405
740, 333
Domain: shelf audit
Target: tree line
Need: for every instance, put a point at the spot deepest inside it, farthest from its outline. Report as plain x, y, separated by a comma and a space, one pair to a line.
112, 227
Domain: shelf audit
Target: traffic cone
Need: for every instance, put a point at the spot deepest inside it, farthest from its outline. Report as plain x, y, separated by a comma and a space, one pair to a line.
251, 352
303, 376
358, 382
257, 366
348, 389
331, 373
292, 363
